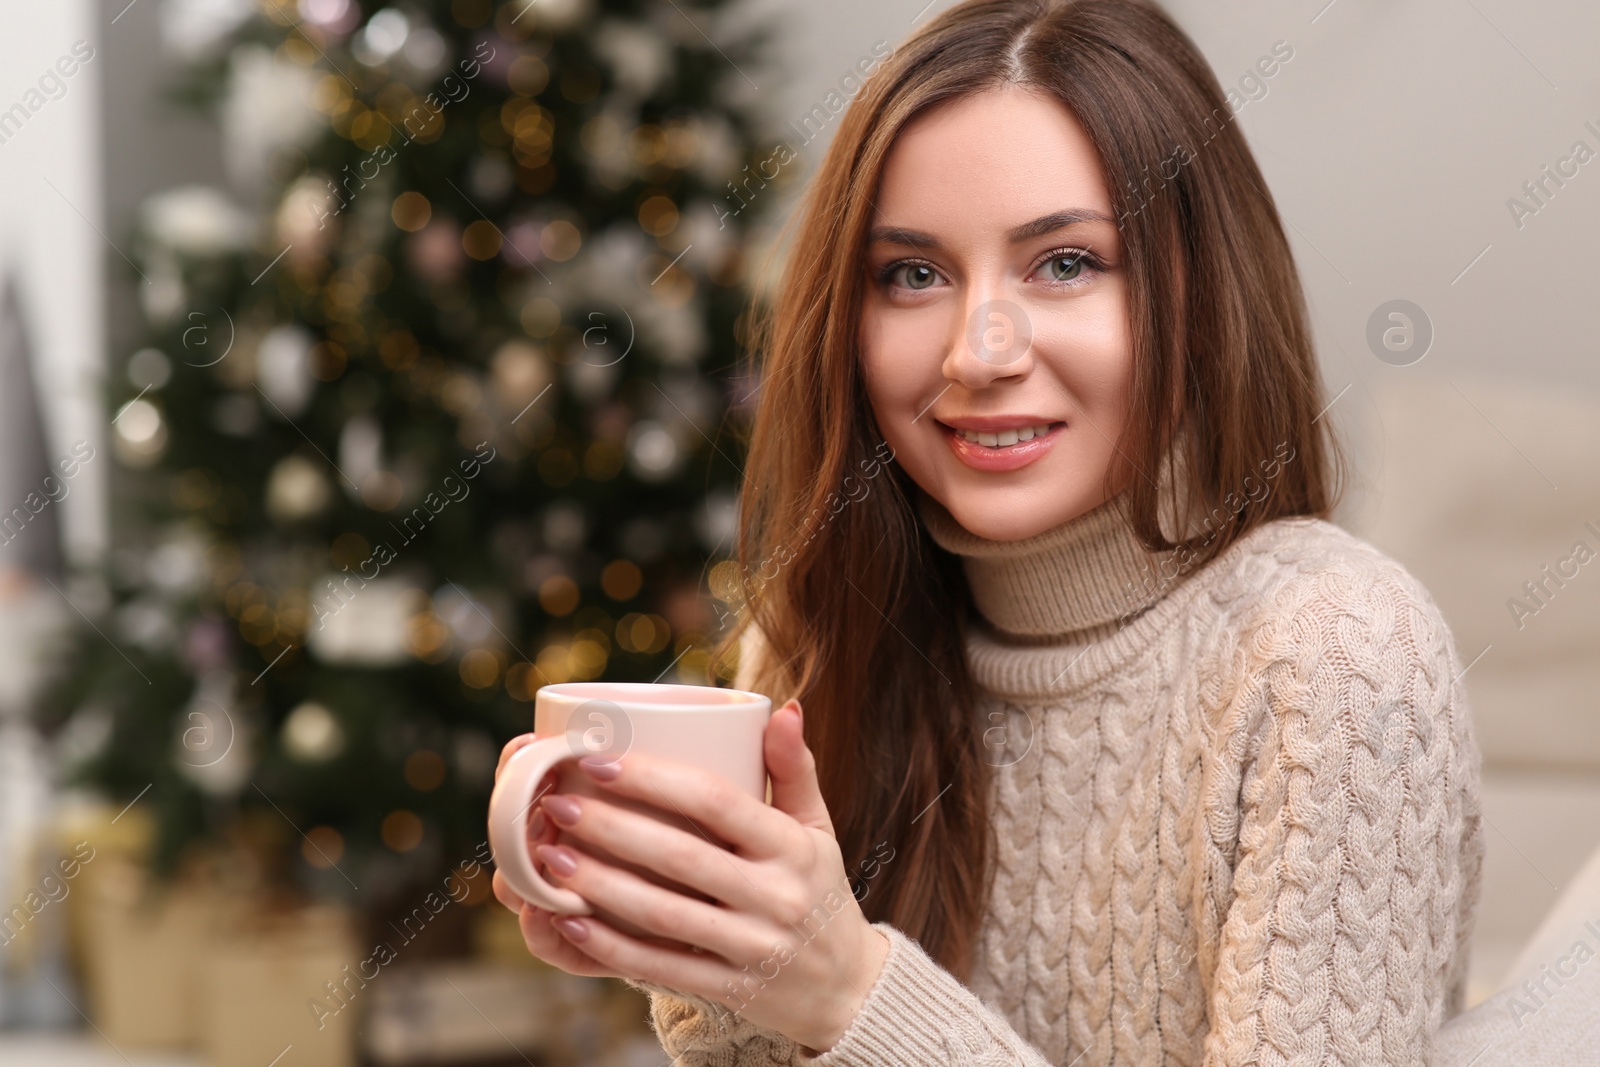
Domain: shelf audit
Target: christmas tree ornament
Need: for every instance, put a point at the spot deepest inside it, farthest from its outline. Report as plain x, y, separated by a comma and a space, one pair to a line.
312, 734
653, 453
297, 489
519, 374
716, 522
149, 368
470, 619
560, 15
266, 108
176, 567
195, 220
426, 53
141, 434
522, 248
307, 219
360, 621
283, 369
704, 234
212, 739
591, 382
360, 448
334, 17
147, 623
435, 251
381, 38
640, 60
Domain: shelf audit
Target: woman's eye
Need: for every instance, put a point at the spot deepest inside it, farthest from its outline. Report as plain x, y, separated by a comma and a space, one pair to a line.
1063, 268
913, 276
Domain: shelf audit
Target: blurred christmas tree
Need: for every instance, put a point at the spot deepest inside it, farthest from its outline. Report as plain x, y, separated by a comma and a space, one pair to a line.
426, 424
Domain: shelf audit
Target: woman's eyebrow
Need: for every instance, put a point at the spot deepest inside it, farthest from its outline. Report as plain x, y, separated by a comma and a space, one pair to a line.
899, 235
1056, 220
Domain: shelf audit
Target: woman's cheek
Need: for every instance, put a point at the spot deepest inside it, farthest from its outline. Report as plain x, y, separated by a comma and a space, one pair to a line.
1093, 368
901, 374
896, 360
1088, 360
1107, 356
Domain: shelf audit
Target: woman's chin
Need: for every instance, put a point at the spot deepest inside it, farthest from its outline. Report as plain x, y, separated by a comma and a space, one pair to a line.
1013, 513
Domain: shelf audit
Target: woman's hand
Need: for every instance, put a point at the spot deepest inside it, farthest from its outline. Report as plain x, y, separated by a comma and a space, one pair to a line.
785, 944
537, 933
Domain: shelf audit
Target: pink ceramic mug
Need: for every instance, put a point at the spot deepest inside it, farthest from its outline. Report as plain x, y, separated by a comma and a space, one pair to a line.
718, 730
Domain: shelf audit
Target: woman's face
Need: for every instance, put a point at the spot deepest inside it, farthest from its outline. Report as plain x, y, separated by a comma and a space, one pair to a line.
996, 304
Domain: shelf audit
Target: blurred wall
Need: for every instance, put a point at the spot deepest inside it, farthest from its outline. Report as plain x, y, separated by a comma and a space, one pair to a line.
52, 223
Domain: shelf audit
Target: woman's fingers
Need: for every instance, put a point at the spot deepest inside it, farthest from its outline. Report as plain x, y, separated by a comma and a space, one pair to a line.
546, 943
792, 770
709, 801
505, 894
542, 939
662, 912
703, 975
681, 855
511, 748
540, 831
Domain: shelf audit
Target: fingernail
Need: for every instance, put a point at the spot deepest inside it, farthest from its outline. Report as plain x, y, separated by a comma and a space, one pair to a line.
572, 929
606, 770
564, 810
536, 823
558, 858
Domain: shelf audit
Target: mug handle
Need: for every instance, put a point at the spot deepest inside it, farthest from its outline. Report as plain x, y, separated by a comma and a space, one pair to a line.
509, 805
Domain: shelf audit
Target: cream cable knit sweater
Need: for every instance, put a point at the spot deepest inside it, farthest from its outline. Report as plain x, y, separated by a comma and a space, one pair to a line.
1240, 826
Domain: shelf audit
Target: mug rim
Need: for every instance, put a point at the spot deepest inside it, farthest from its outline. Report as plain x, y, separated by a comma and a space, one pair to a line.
585, 691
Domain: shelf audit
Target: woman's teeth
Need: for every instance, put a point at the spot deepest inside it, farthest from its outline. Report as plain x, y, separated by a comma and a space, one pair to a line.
1005, 437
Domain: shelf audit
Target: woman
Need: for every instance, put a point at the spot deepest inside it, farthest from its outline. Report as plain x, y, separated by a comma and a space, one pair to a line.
1114, 750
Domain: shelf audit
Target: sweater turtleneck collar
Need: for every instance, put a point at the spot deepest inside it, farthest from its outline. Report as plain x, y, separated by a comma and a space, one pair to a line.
1079, 580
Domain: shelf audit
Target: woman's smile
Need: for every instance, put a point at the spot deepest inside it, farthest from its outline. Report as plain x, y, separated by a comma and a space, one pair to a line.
1001, 450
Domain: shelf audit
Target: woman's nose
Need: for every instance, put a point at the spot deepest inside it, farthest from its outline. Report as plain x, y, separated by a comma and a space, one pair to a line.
994, 340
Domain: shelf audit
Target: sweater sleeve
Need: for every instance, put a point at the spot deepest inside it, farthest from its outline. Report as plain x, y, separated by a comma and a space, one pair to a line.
1344, 941
915, 1013
697, 1032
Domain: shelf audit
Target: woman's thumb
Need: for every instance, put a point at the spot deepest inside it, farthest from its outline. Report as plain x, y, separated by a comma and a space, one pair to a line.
793, 769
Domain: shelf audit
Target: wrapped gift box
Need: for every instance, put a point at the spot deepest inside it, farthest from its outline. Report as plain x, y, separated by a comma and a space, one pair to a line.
463, 1012
143, 944
195, 963
276, 987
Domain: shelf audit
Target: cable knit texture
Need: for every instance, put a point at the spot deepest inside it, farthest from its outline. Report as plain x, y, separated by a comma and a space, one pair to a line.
1236, 817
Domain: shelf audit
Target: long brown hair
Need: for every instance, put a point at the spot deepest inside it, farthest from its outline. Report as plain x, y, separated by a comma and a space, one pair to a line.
861, 615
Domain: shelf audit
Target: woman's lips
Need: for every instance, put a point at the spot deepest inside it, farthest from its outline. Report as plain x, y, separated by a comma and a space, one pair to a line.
1004, 458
